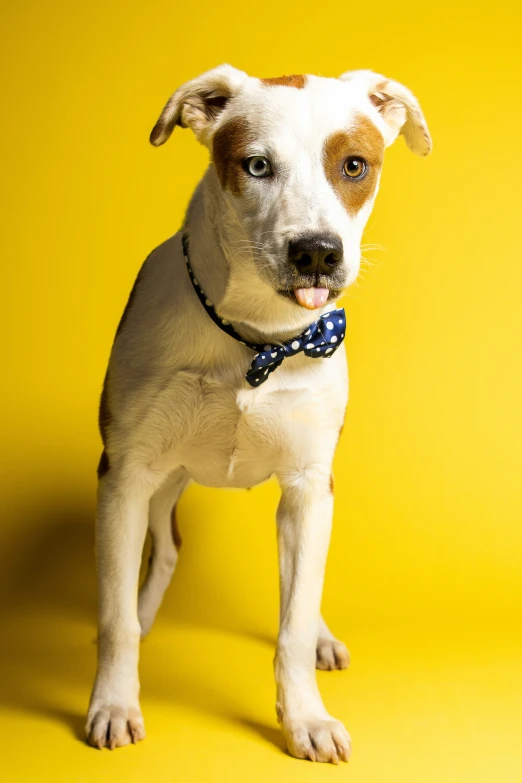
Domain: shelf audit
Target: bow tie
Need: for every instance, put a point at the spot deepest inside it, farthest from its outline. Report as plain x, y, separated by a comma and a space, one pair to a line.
319, 341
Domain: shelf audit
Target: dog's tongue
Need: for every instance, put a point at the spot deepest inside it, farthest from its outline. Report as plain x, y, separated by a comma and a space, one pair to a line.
311, 298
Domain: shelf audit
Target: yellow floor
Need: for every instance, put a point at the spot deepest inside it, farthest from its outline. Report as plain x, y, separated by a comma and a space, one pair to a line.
422, 706
433, 694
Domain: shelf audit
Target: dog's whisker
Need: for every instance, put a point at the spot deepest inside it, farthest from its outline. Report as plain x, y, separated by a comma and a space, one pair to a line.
366, 246
369, 266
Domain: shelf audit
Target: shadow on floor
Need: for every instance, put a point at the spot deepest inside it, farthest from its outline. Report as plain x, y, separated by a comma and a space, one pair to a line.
48, 599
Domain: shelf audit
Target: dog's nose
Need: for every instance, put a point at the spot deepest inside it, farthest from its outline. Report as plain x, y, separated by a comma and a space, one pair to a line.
315, 253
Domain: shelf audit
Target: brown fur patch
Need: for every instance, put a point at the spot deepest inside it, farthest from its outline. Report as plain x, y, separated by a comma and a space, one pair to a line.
296, 80
228, 153
176, 536
103, 465
363, 140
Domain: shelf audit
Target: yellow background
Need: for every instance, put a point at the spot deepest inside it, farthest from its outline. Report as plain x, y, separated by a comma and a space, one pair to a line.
423, 580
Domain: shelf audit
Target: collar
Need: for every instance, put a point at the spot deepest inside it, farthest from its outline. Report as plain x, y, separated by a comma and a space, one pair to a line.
320, 340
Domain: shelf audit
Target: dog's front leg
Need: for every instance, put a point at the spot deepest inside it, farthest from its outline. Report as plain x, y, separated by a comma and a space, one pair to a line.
304, 520
114, 717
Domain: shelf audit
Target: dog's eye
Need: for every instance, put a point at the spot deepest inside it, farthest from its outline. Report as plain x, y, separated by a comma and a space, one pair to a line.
258, 166
355, 168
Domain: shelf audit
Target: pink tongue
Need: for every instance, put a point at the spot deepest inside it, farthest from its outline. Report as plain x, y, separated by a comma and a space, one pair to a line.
311, 298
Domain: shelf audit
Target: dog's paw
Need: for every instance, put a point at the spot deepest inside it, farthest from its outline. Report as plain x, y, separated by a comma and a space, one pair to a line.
331, 654
113, 726
318, 740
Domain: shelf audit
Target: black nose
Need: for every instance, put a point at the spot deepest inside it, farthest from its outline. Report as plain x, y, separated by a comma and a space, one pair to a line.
316, 253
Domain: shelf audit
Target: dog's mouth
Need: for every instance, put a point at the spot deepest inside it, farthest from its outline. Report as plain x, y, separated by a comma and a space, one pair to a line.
312, 297
311, 291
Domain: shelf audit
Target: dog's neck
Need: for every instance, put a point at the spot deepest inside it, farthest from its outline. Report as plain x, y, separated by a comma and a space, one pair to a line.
229, 277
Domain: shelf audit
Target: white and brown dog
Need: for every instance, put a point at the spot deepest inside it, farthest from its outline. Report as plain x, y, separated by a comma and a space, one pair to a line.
273, 235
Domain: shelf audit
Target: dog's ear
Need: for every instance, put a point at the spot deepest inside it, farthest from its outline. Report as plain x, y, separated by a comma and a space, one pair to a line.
198, 103
398, 107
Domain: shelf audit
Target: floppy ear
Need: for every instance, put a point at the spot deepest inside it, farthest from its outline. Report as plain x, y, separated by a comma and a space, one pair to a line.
398, 107
198, 104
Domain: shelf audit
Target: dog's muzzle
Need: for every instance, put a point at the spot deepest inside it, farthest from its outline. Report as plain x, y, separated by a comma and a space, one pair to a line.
316, 259
316, 254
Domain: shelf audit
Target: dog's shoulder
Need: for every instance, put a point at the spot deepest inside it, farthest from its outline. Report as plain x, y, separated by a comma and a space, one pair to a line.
158, 291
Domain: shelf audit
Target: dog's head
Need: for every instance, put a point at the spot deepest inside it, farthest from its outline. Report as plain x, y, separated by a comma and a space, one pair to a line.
298, 159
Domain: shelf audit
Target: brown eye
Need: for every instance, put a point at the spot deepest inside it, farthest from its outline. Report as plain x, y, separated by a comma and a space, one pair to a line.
355, 168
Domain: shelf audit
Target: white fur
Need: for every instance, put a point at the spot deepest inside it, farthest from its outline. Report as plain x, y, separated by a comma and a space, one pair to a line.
181, 409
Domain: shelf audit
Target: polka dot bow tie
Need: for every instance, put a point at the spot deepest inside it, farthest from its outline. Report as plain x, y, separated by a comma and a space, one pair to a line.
320, 340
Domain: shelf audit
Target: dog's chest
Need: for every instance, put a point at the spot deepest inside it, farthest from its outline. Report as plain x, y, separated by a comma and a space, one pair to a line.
232, 438
238, 437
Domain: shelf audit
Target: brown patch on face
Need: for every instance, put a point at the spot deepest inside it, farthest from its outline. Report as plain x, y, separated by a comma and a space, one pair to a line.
176, 536
103, 465
363, 140
228, 153
331, 484
296, 80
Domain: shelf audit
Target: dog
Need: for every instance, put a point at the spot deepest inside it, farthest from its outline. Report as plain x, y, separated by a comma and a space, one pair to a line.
271, 239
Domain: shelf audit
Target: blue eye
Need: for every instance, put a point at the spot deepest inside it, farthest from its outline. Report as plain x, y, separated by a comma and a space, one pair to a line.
258, 166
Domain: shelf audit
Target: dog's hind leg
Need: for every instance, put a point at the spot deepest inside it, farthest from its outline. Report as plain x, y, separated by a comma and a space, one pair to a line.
165, 545
330, 652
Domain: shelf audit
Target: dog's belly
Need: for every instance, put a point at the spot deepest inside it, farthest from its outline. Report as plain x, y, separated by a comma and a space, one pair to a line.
225, 470
237, 458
